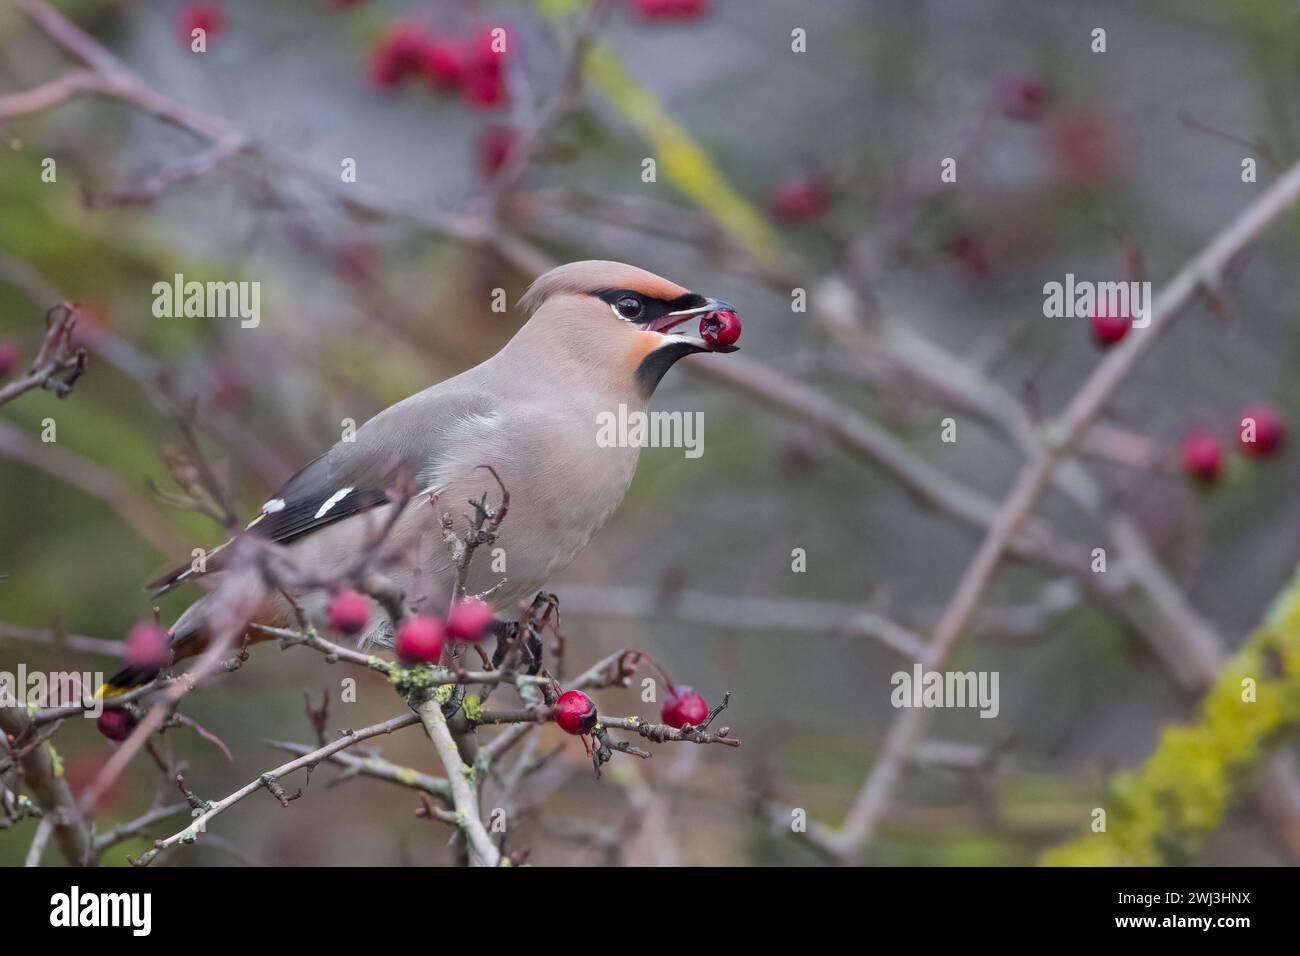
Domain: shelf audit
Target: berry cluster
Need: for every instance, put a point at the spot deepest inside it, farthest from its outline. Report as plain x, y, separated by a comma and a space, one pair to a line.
576, 714
420, 640
1261, 437
473, 67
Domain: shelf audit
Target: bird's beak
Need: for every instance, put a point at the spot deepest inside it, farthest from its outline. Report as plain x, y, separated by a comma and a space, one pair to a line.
685, 332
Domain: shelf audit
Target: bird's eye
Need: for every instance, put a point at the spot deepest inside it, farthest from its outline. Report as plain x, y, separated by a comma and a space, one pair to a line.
629, 307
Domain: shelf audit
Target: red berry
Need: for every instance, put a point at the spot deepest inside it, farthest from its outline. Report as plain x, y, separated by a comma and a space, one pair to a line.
798, 200
1110, 324
116, 724
485, 73
206, 16
420, 640
493, 148
1023, 98
467, 620
147, 646
1202, 457
8, 356
670, 9
400, 53
575, 712
720, 328
444, 61
684, 706
349, 613
1269, 430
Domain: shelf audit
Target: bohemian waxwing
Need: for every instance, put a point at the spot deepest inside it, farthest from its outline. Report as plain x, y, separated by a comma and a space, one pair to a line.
600, 334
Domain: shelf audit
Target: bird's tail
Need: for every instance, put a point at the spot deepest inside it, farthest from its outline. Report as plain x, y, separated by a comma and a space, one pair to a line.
180, 639
190, 636
128, 678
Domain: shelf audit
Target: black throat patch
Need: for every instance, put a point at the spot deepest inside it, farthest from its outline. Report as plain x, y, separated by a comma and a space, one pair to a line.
657, 363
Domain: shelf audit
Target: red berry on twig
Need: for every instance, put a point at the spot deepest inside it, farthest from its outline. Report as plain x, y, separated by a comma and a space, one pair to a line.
1202, 457
199, 15
1262, 430
349, 613
575, 712
468, 620
444, 61
116, 724
683, 706
485, 72
420, 640
400, 53
1110, 324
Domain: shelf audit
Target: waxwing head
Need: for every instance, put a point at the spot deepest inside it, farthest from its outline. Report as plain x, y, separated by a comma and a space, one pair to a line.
624, 321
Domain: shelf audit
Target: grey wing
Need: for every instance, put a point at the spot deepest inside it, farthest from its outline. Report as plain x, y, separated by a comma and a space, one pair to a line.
355, 475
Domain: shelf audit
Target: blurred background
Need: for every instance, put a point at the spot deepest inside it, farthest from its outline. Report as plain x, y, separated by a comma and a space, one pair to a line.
776, 170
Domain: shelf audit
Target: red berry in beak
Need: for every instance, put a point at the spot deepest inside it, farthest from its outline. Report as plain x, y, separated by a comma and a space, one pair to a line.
420, 640
1202, 457
116, 724
349, 613
468, 620
684, 706
1269, 430
720, 328
146, 646
575, 712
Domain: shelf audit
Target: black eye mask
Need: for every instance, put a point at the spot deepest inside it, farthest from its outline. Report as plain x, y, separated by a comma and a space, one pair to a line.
652, 309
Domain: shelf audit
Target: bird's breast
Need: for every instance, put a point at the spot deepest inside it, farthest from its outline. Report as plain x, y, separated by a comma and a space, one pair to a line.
564, 482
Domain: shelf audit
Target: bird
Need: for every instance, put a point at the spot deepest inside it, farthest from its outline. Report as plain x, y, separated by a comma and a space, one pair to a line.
598, 334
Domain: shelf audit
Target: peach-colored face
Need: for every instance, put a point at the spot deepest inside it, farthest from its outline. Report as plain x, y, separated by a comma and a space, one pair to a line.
644, 344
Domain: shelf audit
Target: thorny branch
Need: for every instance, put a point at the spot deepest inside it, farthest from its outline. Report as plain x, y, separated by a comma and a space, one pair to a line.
860, 825
270, 781
1193, 650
